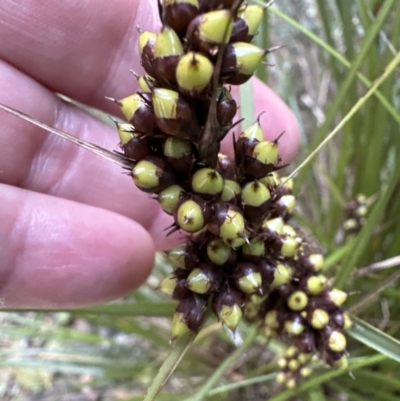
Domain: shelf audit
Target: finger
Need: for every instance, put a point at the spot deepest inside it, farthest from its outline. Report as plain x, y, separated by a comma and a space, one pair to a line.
59, 253
33, 159
57, 59
84, 49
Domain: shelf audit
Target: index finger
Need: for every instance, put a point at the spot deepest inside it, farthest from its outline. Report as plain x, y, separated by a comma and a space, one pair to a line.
81, 49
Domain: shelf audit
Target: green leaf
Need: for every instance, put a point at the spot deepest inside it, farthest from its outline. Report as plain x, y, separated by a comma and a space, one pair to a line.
375, 338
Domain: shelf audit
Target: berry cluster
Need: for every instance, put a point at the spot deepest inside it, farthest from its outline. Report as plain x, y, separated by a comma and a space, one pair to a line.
241, 256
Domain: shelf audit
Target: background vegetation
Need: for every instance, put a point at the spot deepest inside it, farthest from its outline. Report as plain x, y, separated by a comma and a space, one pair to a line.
335, 52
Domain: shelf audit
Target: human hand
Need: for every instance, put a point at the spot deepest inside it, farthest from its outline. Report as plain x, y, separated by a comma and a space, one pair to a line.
73, 229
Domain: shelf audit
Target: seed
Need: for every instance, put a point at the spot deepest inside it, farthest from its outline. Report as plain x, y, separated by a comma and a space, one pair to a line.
226, 167
271, 319
253, 132
316, 261
169, 198
179, 154
293, 365
239, 31
174, 285
193, 73
125, 132
254, 249
289, 230
147, 41
361, 211
297, 301
251, 311
179, 326
303, 358
226, 108
267, 270
193, 309
286, 186
138, 112
230, 315
179, 13
210, 29
319, 319
252, 16
316, 284
290, 246
294, 326
218, 252
350, 224
231, 191
306, 371
190, 216
248, 278
134, 145
146, 83
342, 363
271, 180
228, 224
176, 257
167, 51
273, 226
150, 175
227, 305
174, 114
255, 199
291, 352
284, 207
198, 281
282, 275
291, 383
207, 182
338, 297
240, 61
168, 285
280, 377
337, 341
348, 323
266, 152
282, 363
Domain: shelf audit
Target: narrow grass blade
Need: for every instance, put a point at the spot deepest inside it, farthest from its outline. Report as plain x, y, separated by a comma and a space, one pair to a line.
388, 71
246, 102
241, 384
169, 365
219, 372
375, 338
370, 298
334, 53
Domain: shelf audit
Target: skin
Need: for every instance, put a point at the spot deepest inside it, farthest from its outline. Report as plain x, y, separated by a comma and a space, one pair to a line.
75, 231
